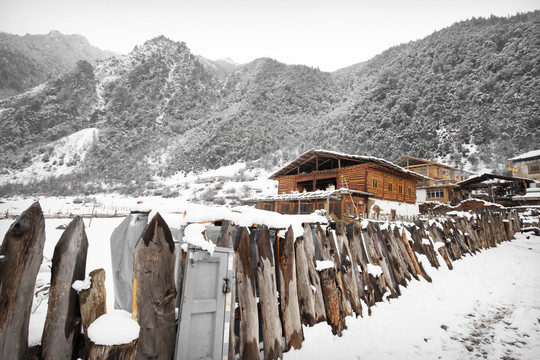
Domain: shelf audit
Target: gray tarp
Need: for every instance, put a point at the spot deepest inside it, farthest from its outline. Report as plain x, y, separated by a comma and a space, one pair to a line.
123, 241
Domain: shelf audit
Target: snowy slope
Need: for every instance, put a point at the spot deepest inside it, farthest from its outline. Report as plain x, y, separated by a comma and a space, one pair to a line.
61, 157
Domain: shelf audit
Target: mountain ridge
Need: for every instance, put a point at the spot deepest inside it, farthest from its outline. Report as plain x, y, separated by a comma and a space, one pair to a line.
466, 95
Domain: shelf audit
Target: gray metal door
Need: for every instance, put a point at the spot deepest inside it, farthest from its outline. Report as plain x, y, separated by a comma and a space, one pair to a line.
203, 329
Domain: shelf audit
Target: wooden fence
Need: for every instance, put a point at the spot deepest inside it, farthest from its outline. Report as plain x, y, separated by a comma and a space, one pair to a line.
326, 274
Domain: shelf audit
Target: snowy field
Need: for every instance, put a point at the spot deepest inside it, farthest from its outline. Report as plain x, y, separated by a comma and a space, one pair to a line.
487, 307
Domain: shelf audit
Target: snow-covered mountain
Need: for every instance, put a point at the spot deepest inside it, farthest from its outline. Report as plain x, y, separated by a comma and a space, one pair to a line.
466, 95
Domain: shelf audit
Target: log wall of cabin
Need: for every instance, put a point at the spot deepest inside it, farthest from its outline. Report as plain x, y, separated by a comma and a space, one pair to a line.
382, 180
286, 184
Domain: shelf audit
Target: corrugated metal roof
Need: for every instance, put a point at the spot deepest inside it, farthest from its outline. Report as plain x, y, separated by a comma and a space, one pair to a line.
358, 159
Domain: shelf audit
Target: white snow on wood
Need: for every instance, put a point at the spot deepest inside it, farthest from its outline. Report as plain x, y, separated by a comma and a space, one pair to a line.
438, 244
193, 235
437, 223
426, 241
374, 270
314, 289
324, 264
80, 285
114, 328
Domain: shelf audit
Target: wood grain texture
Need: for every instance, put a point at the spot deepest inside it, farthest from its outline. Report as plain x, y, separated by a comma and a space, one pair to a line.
21, 255
154, 291
63, 322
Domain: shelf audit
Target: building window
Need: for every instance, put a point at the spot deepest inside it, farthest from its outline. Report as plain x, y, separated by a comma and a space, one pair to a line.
435, 194
374, 183
306, 208
268, 207
409, 191
334, 208
285, 208
389, 187
422, 171
534, 169
400, 189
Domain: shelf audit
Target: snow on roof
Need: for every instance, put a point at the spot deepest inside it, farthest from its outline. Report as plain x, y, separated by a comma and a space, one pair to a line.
487, 178
361, 158
528, 155
309, 195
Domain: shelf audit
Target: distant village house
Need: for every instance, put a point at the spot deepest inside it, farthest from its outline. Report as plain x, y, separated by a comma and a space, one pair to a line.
441, 186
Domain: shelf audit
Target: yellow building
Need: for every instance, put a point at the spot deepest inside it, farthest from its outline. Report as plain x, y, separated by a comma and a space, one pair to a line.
443, 179
526, 165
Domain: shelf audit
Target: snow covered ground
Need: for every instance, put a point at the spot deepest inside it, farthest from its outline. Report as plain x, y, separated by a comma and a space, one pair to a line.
487, 307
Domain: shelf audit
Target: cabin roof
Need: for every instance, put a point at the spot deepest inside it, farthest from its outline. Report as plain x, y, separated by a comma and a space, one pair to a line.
313, 195
418, 161
489, 177
307, 163
531, 155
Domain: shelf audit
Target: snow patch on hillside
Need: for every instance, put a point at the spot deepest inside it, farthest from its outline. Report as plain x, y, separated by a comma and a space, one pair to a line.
61, 157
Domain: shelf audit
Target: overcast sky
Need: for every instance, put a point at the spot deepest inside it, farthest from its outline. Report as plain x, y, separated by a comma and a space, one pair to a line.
328, 34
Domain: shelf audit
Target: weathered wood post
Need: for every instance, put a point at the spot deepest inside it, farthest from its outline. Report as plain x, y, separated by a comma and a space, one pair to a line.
306, 298
247, 301
349, 269
266, 272
335, 316
340, 281
62, 329
154, 291
356, 245
93, 302
21, 254
416, 264
292, 326
314, 279
225, 240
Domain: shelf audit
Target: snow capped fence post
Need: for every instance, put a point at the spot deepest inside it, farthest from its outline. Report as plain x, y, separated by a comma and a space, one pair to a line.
154, 291
266, 272
113, 337
93, 301
331, 295
292, 326
62, 329
21, 254
247, 301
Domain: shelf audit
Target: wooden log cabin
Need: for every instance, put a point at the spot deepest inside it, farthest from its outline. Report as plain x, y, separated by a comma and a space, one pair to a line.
343, 185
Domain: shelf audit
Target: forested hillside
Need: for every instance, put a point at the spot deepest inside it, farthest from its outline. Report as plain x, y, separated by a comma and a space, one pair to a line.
467, 95
29, 60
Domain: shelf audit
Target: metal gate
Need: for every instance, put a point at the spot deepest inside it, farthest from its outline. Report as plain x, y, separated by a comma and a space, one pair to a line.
204, 314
